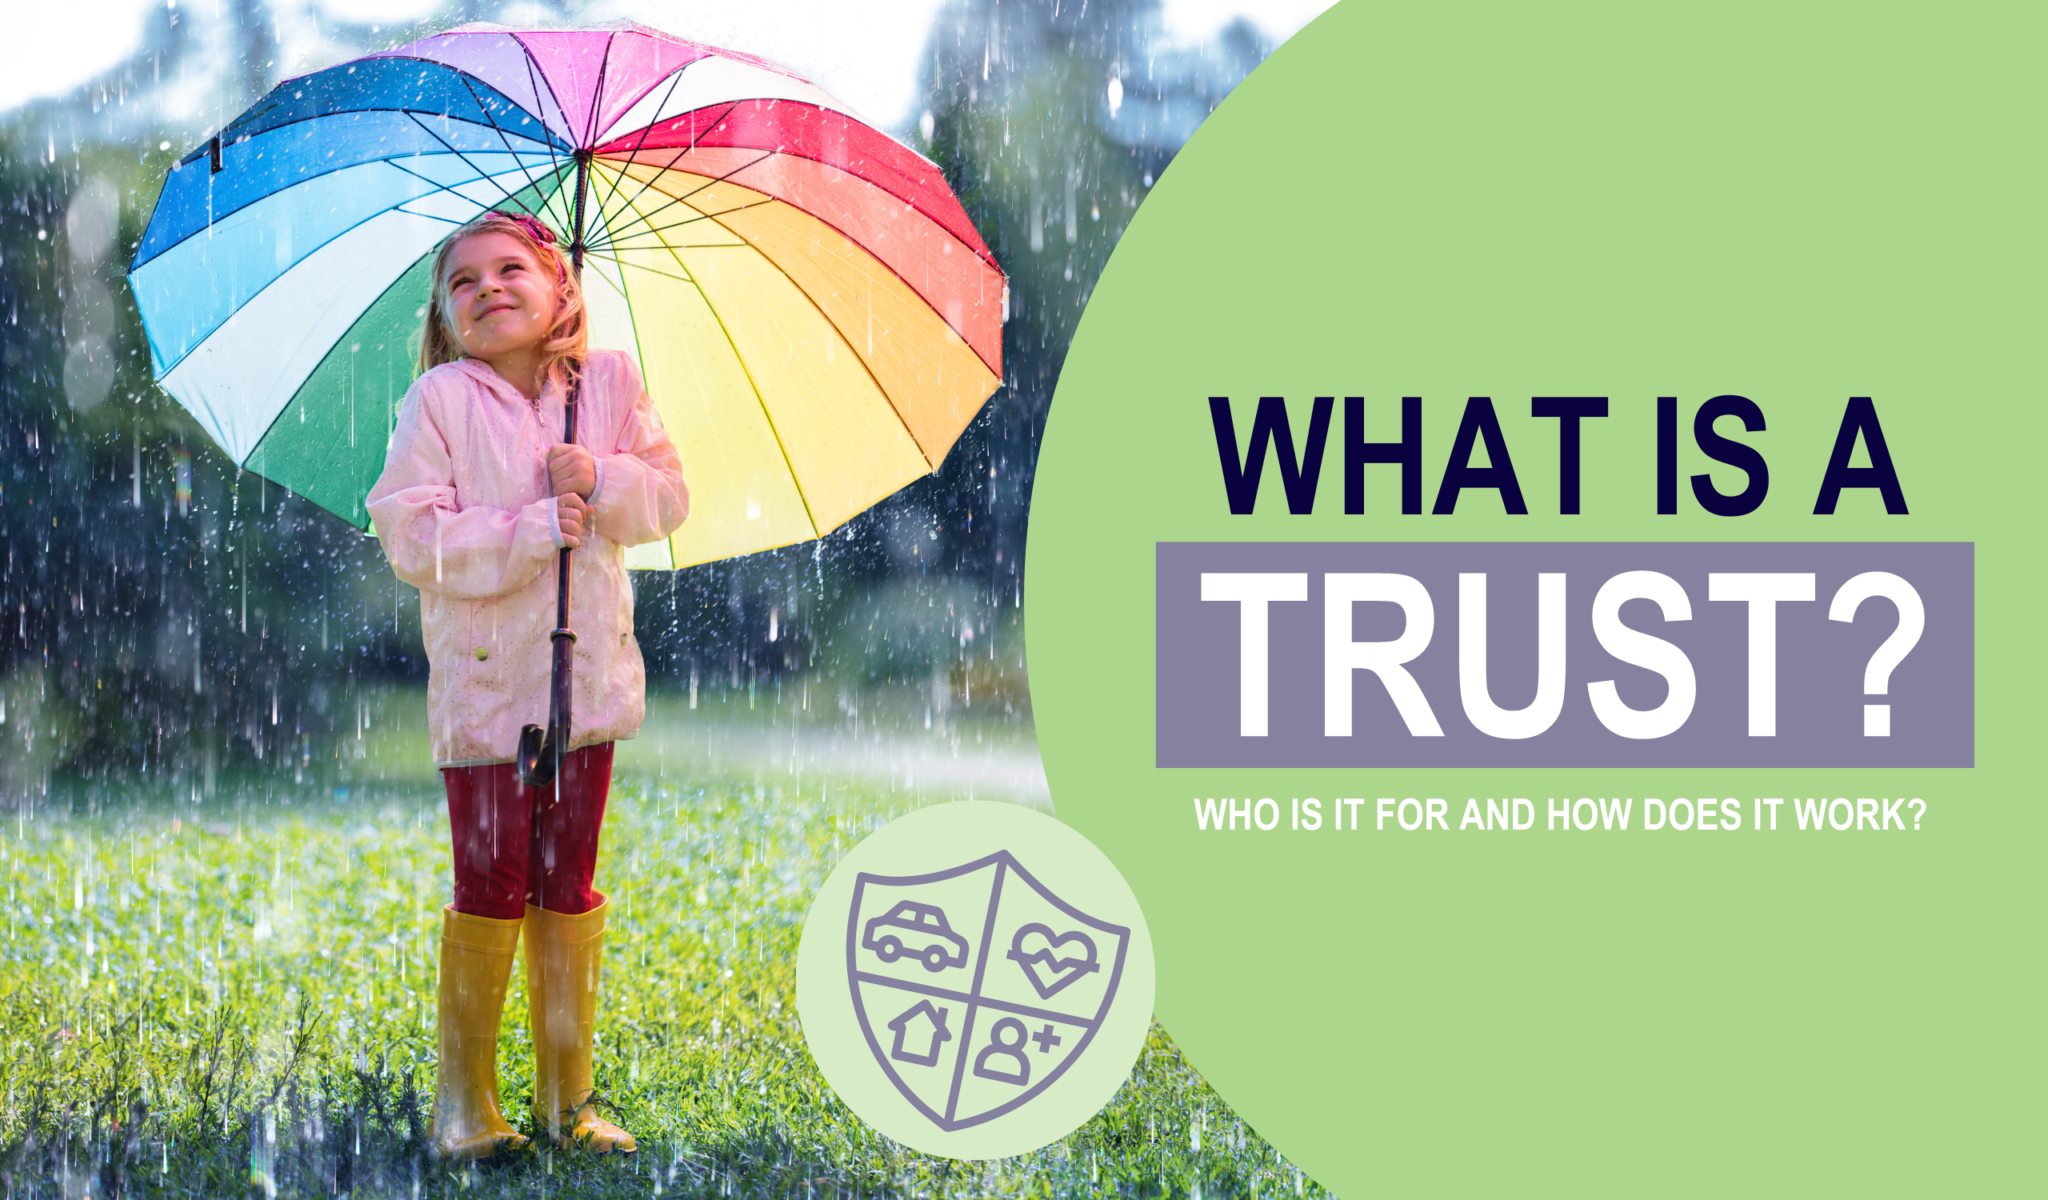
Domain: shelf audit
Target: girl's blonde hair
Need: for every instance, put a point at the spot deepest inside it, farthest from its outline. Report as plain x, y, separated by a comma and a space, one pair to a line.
561, 356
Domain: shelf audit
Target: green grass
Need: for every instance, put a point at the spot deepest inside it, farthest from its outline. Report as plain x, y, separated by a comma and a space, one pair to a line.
235, 997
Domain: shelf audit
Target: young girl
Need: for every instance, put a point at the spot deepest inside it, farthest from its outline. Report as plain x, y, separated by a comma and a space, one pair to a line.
478, 494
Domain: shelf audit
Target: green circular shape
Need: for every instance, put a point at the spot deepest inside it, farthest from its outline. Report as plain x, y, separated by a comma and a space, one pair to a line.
975, 980
1796, 203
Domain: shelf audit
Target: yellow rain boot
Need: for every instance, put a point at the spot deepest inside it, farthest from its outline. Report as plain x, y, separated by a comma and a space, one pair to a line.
476, 961
562, 957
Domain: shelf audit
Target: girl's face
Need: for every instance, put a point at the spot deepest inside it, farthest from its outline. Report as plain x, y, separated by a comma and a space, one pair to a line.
501, 300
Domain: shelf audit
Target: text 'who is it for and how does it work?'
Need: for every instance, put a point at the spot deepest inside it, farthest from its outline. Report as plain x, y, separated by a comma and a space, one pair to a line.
1706, 814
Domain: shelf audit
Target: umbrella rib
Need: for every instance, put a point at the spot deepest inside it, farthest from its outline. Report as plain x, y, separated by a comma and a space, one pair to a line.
623, 264
655, 230
368, 108
294, 398
675, 81
648, 183
986, 256
632, 323
408, 113
701, 216
537, 81
338, 234
647, 218
438, 185
597, 94
857, 356
691, 246
755, 385
767, 416
507, 142
481, 173
881, 262
677, 157
888, 399
533, 81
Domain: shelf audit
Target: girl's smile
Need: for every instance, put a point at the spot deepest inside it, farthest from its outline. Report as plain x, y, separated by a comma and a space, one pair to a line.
502, 305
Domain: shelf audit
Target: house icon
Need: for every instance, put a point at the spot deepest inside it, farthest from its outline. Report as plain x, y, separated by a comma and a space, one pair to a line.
920, 1031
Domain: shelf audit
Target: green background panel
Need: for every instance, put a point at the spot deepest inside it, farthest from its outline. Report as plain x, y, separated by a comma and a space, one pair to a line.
1796, 204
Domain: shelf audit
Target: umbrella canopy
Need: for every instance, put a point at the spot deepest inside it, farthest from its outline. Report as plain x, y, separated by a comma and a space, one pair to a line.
815, 316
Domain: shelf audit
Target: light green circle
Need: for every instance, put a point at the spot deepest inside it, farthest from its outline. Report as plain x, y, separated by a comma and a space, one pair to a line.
1016, 848
1796, 203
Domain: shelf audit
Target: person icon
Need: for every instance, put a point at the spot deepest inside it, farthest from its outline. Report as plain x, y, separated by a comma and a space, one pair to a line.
1004, 1049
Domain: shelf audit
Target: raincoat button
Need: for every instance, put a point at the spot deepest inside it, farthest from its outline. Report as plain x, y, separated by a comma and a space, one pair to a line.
482, 654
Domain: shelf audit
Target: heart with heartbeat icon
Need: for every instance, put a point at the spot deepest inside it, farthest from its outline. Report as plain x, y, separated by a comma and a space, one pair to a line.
1052, 961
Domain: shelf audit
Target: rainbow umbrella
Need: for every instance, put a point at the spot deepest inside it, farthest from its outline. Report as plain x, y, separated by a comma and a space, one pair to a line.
814, 315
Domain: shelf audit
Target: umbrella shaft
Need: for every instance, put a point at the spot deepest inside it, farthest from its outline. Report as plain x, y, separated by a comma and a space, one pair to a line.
564, 637
559, 700
560, 694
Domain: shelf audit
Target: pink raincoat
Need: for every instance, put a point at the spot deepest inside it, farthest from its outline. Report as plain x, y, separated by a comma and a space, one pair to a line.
466, 516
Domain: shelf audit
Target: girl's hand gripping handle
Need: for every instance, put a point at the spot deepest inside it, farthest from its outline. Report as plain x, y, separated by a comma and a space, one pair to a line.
573, 515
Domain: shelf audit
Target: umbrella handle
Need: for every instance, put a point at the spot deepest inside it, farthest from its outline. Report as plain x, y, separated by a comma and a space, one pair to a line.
536, 758
539, 759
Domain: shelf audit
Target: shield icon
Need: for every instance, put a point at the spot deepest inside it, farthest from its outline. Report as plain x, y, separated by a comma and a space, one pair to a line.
977, 987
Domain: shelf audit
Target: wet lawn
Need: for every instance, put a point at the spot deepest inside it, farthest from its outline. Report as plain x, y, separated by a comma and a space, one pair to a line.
234, 997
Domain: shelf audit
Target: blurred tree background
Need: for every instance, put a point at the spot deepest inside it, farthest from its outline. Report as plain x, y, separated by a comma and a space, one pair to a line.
165, 616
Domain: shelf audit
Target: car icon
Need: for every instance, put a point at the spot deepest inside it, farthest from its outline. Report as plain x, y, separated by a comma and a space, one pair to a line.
917, 930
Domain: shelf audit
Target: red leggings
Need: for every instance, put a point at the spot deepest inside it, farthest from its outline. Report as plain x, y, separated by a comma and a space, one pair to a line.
502, 863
